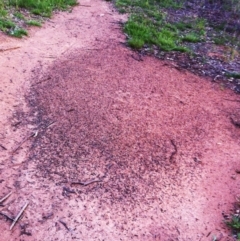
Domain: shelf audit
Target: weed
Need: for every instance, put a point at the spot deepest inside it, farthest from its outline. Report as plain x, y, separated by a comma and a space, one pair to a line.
148, 24
3, 13
5, 24
191, 37
182, 26
18, 32
10, 24
219, 40
235, 75
18, 15
43, 7
33, 23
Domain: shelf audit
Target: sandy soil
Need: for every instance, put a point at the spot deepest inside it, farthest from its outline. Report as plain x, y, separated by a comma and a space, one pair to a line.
125, 147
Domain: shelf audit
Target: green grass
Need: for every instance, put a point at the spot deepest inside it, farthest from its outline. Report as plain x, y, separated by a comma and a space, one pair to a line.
19, 15
18, 32
34, 23
42, 7
234, 224
6, 25
191, 37
235, 75
14, 17
149, 25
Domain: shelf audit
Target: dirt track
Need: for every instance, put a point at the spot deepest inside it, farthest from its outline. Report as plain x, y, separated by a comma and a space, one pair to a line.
157, 142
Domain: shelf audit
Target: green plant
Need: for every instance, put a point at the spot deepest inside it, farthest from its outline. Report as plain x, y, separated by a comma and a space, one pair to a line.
235, 75
33, 23
6, 24
234, 223
11, 11
18, 32
191, 37
18, 15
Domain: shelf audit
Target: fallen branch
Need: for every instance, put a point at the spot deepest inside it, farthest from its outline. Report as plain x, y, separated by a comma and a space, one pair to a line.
5, 197
18, 216
86, 183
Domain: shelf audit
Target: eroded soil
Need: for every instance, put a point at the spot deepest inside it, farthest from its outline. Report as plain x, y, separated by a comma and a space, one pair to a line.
124, 147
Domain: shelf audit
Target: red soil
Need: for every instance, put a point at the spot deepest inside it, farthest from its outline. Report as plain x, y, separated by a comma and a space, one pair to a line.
159, 142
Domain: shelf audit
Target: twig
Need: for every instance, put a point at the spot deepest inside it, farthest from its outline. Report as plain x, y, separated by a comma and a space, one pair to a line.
49, 125
68, 48
26, 139
87, 183
236, 123
43, 80
3, 50
5, 197
3, 147
64, 224
232, 100
18, 216
82, 5
6, 216
175, 150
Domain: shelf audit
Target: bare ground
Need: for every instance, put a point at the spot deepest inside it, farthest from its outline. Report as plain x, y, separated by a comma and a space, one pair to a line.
156, 147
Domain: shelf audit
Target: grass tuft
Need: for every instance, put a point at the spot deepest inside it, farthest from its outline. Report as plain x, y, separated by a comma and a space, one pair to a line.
18, 32
11, 11
191, 37
34, 23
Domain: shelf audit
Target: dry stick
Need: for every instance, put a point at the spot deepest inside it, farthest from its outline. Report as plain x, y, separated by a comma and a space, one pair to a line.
82, 5
3, 50
26, 139
86, 183
18, 216
43, 80
5, 197
232, 100
175, 150
6, 216
64, 224
3, 147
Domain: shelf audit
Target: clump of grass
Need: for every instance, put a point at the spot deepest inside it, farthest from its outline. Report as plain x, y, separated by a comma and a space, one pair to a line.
11, 11
143, 31
191, 37
18, 32
34, 23
6, 24
235, 75
149, 25
234, 224
42, 7
19, 15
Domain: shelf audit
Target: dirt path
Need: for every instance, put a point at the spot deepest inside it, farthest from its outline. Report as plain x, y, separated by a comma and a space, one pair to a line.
153, 145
